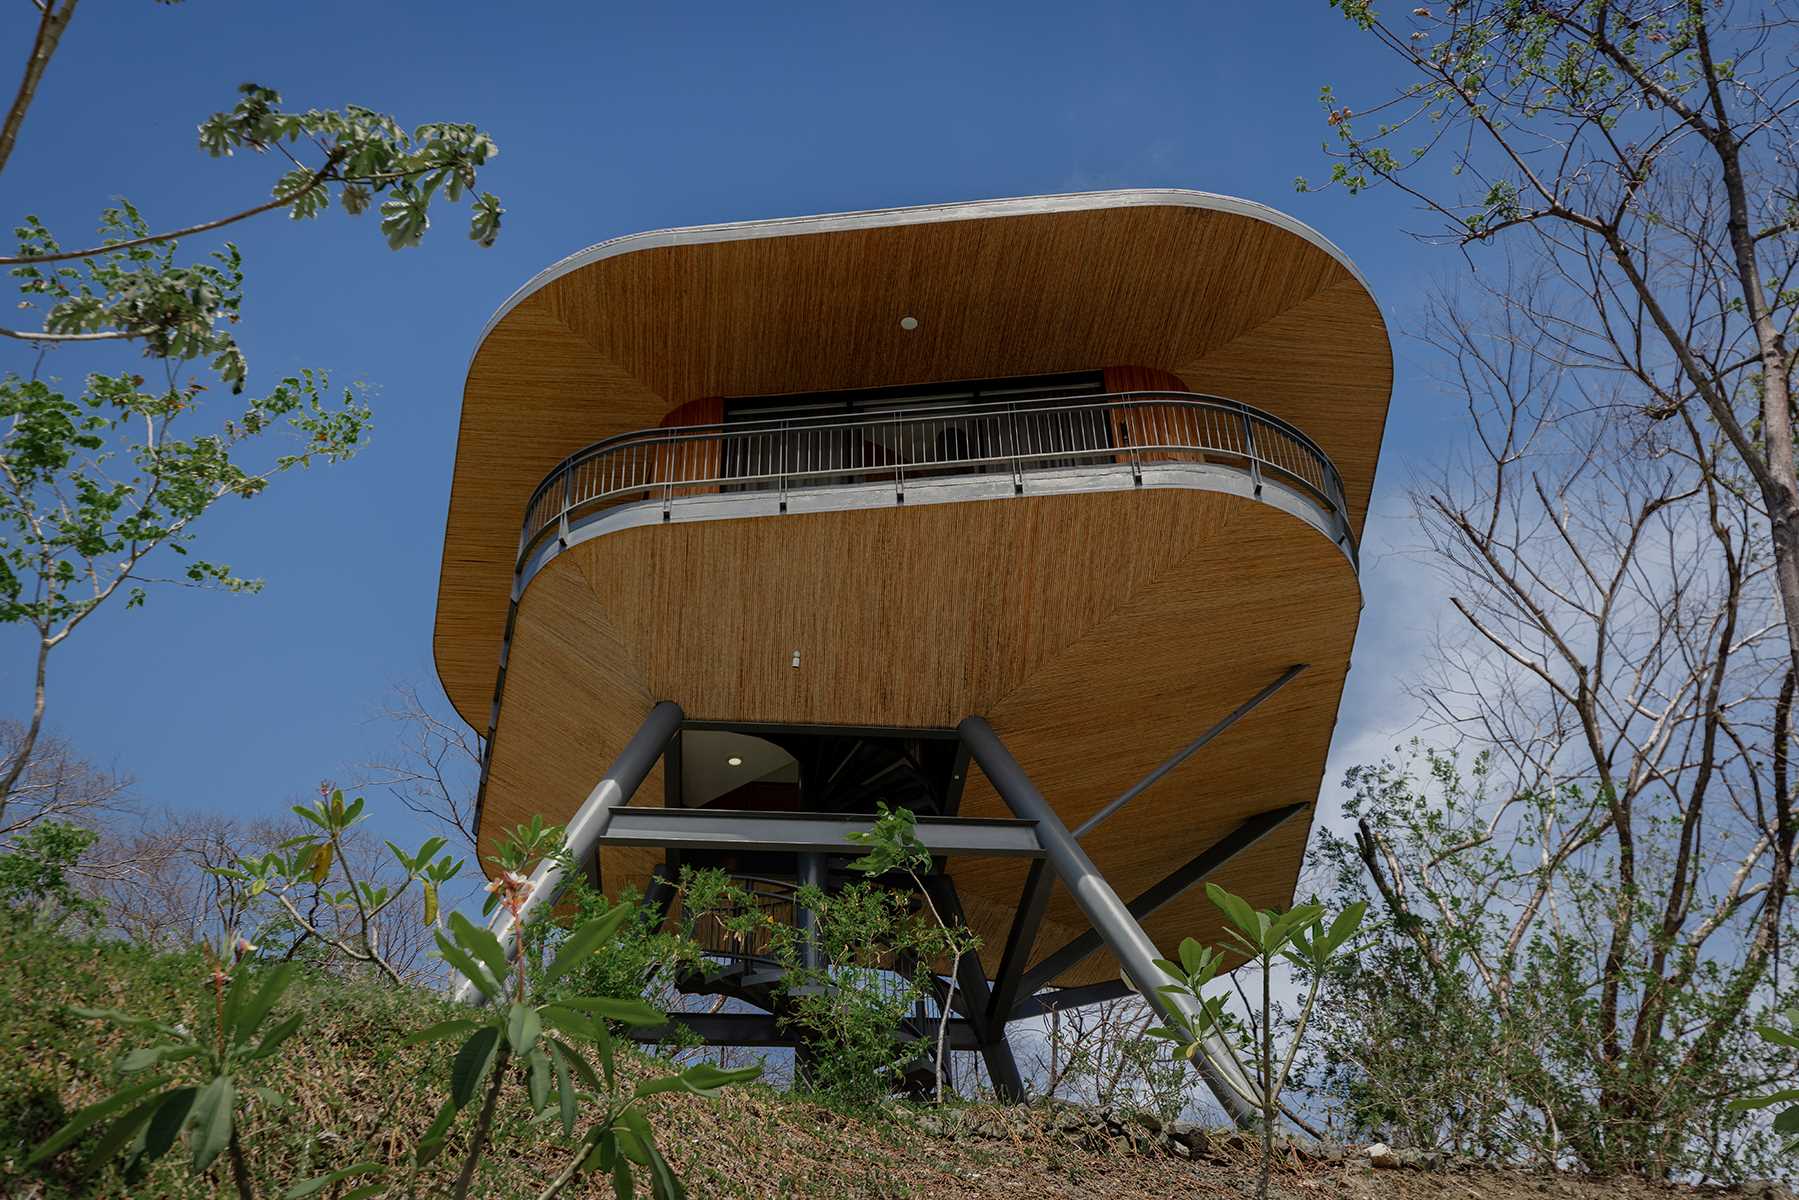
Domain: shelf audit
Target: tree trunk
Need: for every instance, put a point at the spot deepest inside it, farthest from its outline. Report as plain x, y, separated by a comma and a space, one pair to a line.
28, 743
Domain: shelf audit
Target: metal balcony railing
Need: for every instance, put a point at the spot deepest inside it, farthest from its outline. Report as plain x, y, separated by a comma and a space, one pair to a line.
770, 900
897, 446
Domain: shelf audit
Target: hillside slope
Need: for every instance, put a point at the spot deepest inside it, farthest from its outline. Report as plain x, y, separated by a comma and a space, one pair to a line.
344, 1104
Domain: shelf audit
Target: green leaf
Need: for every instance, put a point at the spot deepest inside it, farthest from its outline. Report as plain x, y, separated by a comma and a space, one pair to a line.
1193, 956
234, 999
472, 971
605, 1150
538, 1080
272, 1040
602, 1042
582, 1071
622, 1185
523, 1026
258, 1009
1787, 1120
440, 1032
308, 1187
122, 1018
629, 1012
166, 1122
1237, 909
1750, 1103
663, 1184
212, 1121
432, 1143
702, 1079
631, 1146
472, 1064
1284, 926
1344, 927
88, 1117
638, 1124
144, 1058
585, 940
567, 1020
565, 1088
119, 1133
1776, 1036
479, 942
305, 810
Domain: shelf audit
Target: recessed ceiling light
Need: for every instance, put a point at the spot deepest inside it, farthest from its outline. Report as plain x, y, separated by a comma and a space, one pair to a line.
734, 761
908, 323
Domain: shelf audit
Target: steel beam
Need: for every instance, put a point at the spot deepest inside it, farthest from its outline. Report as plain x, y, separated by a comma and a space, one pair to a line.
808, 833
1179, 881
1107, 913
1070, 997
977, 999
1009, 981
1190, 749
762, 1029
582, 835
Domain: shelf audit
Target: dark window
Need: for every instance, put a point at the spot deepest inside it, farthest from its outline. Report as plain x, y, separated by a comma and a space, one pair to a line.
873, 434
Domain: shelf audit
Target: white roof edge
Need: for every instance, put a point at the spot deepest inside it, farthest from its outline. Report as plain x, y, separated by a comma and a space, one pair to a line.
917, 215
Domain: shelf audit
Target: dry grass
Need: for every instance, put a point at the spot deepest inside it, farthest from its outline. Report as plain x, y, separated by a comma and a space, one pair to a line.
347, 1103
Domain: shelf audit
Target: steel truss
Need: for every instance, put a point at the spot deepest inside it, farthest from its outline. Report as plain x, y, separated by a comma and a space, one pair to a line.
981, 1008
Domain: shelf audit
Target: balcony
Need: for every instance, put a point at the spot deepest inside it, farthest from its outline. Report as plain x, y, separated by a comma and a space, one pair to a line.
930, 455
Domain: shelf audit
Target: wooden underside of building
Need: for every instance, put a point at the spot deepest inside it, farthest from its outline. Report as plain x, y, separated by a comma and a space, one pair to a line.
1228, 301
1098, 633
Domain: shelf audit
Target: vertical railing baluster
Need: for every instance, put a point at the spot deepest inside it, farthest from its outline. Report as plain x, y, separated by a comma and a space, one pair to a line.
1249, 443
1017, 468
899, 463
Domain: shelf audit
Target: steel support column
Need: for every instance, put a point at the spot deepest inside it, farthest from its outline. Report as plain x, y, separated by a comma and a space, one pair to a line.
582, 835
1173, 885
977, 1000
1104, 910
809, 871
1010, 980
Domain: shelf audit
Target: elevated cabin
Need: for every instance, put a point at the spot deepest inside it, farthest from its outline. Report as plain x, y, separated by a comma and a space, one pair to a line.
754, 526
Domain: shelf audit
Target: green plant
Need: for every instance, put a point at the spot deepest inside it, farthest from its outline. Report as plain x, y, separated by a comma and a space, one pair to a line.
357, 904
35, 870
95, 482
1786, 1121
1468, 1020
203, 1095
893, 845
642, 960
1299, 936
522, 1031
848, 981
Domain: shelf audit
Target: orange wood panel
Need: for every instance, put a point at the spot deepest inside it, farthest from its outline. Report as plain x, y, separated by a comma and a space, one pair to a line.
692, 460
1137, 427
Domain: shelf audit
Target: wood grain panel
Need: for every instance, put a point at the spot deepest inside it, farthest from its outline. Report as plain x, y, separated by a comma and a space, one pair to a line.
1132, 427
1227, 301
692, 460
1098, 632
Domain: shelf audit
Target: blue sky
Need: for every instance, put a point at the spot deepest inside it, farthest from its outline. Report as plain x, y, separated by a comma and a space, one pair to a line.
613, 121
